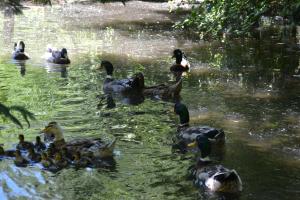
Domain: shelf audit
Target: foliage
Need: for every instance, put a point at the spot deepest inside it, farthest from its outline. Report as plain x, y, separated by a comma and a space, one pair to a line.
212, 18
6, 111
16, 7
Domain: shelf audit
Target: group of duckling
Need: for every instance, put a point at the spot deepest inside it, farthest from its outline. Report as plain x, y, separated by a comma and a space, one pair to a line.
58, 154
82, 153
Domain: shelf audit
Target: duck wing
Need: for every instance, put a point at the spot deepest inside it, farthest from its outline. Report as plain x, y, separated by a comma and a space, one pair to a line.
164, 91
191, 133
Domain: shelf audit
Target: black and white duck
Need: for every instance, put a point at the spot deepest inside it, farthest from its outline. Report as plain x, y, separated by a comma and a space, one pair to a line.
19, 51
181, 63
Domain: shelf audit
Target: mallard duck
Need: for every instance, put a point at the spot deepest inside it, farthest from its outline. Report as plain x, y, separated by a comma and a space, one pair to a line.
39, 146
216, 178
57, 57
136, 85
24, 145
202, 136
46, 161
53, 132
7, 153
181, 64
33, 156
19, 51
20, 161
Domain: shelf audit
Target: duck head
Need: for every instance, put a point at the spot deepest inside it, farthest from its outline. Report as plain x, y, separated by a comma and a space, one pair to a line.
225, 181
184, 116
204, 145
38, 140
108, 67
21, 138
178, 54
53, 132
20, 46
138, 81
64, 53
1, 151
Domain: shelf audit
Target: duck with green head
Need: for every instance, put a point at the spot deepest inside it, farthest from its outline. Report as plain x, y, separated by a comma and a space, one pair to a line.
181, 64
54, 133
190, 137
135, 85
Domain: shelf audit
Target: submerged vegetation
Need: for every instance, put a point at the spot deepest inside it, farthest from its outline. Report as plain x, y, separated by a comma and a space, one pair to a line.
212, 18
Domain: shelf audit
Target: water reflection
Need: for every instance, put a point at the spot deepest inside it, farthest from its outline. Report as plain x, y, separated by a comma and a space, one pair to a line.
21, 65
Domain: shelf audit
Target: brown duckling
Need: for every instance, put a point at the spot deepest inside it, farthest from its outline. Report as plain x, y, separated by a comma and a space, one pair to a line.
46, 161
79, 161
7, 153
39, 145
23, 145
67, 155
51, 151
59, 161
20, 161
33, 156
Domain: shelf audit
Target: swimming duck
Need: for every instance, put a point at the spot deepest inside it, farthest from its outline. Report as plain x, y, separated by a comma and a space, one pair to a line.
59, 161
189, 137
181, 64
81, 162
136, 84
19, 51
7, 153
216, 178
120, 86
20, 161
46, 161
33, 156
53, 132
24, 145
39, 146
57, 57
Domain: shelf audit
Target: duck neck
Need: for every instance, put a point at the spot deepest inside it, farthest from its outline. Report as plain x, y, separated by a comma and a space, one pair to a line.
178, 60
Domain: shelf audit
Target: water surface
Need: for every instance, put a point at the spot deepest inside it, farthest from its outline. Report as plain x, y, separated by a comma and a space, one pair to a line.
249, 88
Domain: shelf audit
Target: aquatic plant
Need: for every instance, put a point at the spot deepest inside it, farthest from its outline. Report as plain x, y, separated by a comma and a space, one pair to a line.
6, 112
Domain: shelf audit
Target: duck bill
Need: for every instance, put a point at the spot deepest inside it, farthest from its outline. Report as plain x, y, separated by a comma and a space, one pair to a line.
192, 145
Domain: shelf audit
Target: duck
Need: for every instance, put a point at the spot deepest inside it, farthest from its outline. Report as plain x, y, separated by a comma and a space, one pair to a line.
24, 145
59, 161
195, 136
216, 178
80, 161
56, 56
39, 146
20, 161
54, 133
181, 64
111, 85
7, 153
33, 156
136, 85
19, 51
46, 162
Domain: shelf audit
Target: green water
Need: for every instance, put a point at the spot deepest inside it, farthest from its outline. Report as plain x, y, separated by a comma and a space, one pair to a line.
246, 87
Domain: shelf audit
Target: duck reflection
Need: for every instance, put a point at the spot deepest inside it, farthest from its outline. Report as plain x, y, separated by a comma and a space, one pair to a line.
50, 67
21, 65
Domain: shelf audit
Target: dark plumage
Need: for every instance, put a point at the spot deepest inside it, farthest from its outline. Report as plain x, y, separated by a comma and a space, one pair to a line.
181, 64
202, 137
58, 57
24, 145
19, 51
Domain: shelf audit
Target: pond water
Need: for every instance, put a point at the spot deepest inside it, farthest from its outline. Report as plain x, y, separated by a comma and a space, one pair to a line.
249, 88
